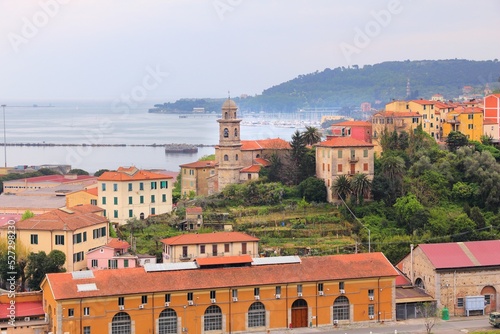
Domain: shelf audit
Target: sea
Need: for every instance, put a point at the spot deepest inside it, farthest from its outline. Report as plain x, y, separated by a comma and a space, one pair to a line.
129, 134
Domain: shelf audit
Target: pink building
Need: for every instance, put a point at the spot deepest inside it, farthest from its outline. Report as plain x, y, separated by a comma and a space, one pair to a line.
359, 130
113, 255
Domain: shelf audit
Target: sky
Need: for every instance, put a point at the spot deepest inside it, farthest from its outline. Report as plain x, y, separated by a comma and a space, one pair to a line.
163, 50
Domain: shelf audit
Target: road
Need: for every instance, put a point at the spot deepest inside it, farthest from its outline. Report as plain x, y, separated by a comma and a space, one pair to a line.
414, 326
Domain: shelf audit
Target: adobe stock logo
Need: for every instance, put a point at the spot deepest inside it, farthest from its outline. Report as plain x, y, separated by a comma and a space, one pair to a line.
372, 29
31, 27
224, 6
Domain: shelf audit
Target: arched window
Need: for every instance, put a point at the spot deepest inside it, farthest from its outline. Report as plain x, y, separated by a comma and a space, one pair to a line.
121, 324
236, 157
236, 132
257, 156
141, 216
226, 157
213, 318
225, 115
235, 114
419, 283
341, 308
167, 323
257, 315
226, 133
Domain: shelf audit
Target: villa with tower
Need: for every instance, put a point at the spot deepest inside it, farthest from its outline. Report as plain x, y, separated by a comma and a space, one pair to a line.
236, 160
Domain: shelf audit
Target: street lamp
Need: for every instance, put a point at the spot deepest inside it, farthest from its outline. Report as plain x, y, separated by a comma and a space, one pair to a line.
359, 221
4, 137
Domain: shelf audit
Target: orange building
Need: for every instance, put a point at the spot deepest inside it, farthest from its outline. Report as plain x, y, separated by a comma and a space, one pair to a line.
492, 111
240, 296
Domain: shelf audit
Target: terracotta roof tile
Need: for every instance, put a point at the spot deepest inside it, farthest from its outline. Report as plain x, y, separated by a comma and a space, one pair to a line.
194, 210
344, 142
208, 238
396, 114
488, 121
210, 261
265, 144
263, 162
353, 123
116, 243
132, 173
200, 164
93, 191
63, 219
136, 280
23, 309
251, 169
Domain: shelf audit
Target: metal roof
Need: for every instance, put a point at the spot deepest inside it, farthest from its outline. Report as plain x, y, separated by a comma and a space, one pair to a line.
258, 261
86, 287
149, 267
82, 274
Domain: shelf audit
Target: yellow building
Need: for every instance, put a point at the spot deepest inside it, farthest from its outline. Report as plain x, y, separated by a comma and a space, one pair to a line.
390, 121
80, 197
187, 247
130, 192
74, 231
239, 297
468, 121
194, 177
343, 156
431, 123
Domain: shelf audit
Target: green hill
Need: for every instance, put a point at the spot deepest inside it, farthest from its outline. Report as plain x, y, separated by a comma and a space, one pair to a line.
377, 84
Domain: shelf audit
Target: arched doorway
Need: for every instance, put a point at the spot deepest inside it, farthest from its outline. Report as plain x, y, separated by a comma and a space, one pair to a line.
341, 308
212, 319
299, 313
489, 294
121, 324
167, 322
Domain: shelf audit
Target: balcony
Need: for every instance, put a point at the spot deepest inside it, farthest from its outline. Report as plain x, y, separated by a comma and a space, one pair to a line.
185, 257
453, 121
247, 253
215, 254
353, 159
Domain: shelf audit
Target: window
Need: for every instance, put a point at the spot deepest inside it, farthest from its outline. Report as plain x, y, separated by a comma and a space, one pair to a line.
341, 286
212, 294
71, 312
115, 213
470, 126
236, 157
414, 120
365, 167
257, 315
153, 211
236, 132
86, 311
365, 153
130, 200
371, 293
226, 248
167, 322
202, 249
141, 199
152, 198
460, 302
243, 248
86, 330
153, 185
59, 239
164, 198
213, 318
339, 168
226, 157
103, 187
77, 238
84, 236
130, 187
115, 200
214, 250
99, 232
121, 301
323, 166
104, 201
339, 154
341, 308
125, 263
371, 310
93, 202
320, 287
226, 133
144, 299
121, 324
141, 186
487, 299
163, 184
167, 298
94, 263
115, 187
34, 239
299, 288
234, 293
256, 292
112, 264
278, 290
130, 213
470, 116
190, 296
77, 257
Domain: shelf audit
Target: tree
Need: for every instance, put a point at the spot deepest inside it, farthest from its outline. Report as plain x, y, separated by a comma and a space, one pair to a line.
456, 140
311, 135
361, 186
408, 208
100, 172
429, 313
342, 186
296, 156
40, 264
210, 157
27, 214
313, 189
78, 171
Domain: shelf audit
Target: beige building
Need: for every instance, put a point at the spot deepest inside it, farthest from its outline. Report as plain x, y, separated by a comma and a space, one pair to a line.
74, 231
390, 121
46, 181
343, 156
452, 273
80, 197
194, 177
130, 192
187, 247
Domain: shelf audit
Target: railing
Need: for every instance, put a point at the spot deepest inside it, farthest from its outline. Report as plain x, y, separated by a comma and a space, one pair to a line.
185, 257
247, 253
353, 159
215, 254
453, 121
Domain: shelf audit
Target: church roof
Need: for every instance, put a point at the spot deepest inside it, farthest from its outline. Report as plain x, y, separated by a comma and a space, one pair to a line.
229, 104
263, 144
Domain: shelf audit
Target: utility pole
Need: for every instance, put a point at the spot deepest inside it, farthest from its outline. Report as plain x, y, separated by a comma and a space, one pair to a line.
359, 221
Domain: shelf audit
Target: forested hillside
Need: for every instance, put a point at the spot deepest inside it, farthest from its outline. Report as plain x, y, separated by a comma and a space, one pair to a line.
346, 87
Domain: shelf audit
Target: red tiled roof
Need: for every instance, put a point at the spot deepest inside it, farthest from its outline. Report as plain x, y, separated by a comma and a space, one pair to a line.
62, 219
468, 110
136, 280
208, 238
116, 243
132, 173
344, 142
251, 169
210, 261
194, 210
463, 254
396, 114
5, 218
23, 309
265, 144
353, 123
200, 164
423, 101
262, 162
488, 121
92, 191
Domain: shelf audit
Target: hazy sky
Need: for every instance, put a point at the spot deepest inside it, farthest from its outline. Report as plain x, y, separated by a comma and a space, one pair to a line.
162, 50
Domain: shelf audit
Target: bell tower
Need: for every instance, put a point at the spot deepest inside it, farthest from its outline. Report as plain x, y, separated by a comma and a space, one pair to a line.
229, 152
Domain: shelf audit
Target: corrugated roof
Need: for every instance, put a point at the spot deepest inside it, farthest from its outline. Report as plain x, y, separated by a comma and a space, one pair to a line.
208, 238
137, 280
23, 309
150, 267
259, 261
463, 254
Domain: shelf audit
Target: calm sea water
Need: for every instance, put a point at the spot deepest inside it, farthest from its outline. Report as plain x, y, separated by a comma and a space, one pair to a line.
98, 123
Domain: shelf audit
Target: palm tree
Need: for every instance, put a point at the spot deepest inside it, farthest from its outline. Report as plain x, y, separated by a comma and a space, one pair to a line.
342, 186
361, 185
311, 135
